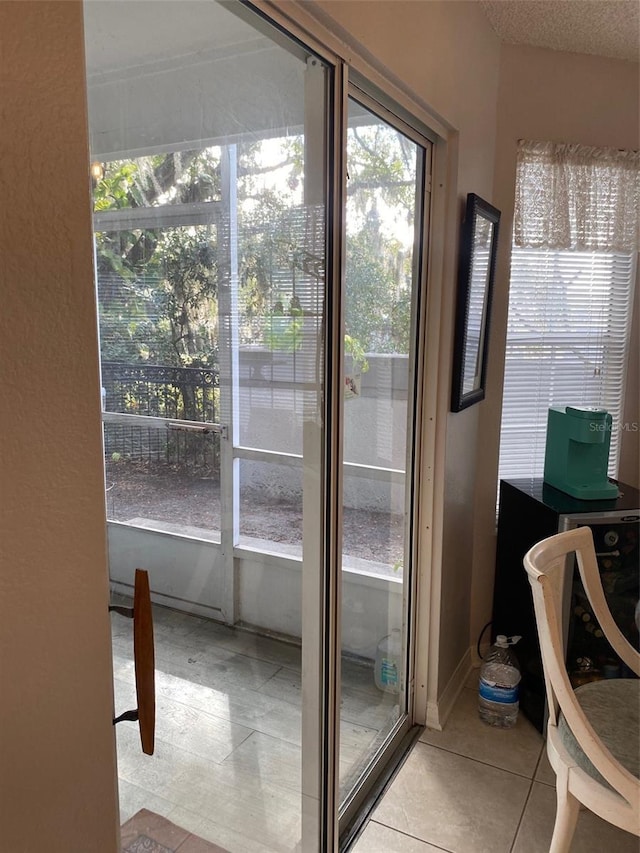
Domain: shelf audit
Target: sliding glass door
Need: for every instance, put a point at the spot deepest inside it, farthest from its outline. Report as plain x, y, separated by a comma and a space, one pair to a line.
259, 240
388, 168
209, 133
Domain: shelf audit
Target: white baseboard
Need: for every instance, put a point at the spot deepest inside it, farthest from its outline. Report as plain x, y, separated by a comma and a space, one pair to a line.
438, 711
170, 601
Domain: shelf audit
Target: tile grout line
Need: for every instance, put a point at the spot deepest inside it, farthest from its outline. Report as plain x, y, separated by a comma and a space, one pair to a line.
543, 752
524, 808
237, 746
478, 760
408, 835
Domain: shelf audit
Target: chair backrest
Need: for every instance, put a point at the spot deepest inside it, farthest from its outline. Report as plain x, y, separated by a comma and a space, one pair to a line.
547, 566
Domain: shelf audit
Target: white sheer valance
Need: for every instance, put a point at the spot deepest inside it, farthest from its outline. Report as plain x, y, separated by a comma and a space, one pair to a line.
576, 197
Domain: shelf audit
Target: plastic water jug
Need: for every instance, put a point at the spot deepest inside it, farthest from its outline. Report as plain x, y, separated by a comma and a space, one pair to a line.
388, 667
499, 684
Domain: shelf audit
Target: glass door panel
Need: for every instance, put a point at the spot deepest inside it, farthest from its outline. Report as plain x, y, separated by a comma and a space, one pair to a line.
383, 229
209, 132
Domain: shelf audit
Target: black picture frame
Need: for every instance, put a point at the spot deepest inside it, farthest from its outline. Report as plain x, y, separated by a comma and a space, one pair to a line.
476, 273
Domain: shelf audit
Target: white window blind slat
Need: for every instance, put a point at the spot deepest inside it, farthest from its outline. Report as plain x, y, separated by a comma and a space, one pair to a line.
567, 344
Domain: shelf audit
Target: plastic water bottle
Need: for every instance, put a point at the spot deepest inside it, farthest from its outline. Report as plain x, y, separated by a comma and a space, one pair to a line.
388, 662
499, 679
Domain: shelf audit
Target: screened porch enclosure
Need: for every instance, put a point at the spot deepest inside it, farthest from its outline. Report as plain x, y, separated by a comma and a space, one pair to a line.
211, 255
209, 357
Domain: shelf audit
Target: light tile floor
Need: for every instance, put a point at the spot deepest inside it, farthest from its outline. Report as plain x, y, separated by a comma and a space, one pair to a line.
473, 788
227, 764
227, 761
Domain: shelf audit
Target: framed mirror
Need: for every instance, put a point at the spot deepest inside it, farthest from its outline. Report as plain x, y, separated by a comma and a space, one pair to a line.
478, 245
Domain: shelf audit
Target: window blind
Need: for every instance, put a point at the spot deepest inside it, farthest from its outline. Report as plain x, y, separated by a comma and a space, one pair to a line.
567, 344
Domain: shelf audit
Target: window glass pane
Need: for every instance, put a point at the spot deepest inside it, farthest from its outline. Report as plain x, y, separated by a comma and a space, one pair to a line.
271, 507
382, 167
373, 521
158, 320
572, 279
157, 299
567, 345
278, 300
271, 399
163, 479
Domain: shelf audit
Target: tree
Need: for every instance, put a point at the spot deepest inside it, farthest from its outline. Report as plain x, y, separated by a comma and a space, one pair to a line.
157, 287
377, 290
381, 203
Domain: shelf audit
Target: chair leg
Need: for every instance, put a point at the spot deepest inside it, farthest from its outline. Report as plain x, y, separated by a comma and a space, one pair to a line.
567, 808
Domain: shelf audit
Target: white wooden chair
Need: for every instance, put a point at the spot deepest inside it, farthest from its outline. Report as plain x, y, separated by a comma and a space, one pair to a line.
592, 732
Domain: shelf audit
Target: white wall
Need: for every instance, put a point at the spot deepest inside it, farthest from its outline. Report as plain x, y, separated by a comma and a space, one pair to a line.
57, 753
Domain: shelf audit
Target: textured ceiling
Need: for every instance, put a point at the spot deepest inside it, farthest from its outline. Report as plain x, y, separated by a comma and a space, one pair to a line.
600, 27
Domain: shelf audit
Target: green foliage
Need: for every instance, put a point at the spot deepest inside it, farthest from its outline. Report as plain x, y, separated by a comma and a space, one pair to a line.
381, 199
401, 322
283, 333
354, 348
117, 188
187, 294
158, 287
377, 305
381, 166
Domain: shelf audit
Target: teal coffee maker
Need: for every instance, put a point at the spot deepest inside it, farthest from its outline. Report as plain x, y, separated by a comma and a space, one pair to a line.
577, 452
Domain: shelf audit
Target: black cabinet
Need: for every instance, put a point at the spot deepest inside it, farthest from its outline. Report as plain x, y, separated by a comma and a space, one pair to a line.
531, 510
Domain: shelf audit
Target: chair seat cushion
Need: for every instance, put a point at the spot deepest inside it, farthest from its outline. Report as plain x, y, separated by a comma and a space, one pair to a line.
612, 706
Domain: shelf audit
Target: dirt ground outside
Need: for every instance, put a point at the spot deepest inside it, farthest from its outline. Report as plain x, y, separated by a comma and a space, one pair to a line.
155, 491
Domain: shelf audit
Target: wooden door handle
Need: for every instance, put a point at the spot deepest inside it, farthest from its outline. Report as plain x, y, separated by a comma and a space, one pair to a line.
144, 661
